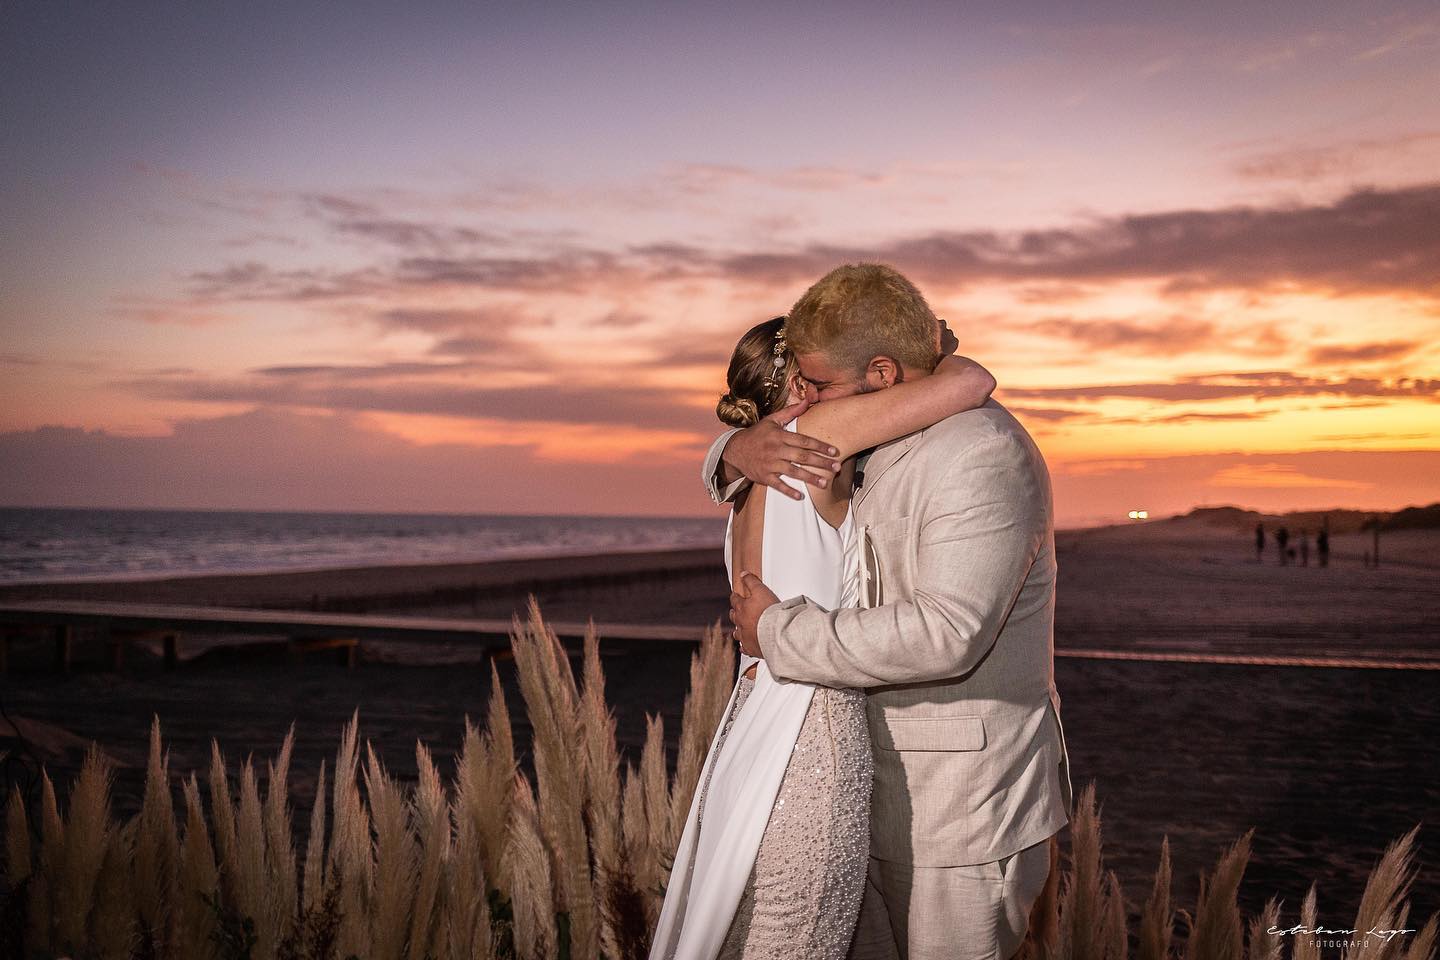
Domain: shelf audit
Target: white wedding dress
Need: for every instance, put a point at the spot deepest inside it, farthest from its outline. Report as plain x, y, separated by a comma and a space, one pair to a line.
789, 766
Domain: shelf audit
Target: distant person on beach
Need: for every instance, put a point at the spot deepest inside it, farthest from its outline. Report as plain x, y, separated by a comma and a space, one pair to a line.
1322, 543
772, 859
952, 562
1304, 548
1282, 537
1260, 542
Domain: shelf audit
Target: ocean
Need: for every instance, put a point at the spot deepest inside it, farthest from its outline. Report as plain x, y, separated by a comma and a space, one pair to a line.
43, 544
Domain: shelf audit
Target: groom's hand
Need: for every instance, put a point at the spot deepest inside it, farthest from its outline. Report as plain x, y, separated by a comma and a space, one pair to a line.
747, 603
767, 451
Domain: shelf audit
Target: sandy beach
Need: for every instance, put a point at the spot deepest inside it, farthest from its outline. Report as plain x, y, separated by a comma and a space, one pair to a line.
1327, 764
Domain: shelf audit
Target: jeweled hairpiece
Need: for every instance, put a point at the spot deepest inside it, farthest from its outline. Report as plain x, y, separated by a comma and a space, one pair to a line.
774, 381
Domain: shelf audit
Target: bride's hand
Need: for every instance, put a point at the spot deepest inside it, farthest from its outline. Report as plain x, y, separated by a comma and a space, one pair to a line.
948, 342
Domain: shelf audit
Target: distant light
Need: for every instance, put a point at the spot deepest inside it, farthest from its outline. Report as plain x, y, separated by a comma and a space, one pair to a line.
1139, 514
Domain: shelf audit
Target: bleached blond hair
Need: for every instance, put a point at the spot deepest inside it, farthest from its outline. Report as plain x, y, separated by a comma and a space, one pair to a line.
859, 311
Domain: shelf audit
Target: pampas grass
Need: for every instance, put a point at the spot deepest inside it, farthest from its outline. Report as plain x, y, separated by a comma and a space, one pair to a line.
157, 853
491, 865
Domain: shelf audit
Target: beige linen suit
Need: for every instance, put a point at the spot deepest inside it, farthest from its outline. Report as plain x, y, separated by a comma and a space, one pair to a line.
954, 646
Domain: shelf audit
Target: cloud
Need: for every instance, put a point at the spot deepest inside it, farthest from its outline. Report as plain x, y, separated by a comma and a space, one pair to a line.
715, 177
1192, 416
273, 459
1225, 386
569, 270
1369, 241
1280, 475
1176, 336
1362, 352
1048, 414
253, 280
1351, 158
350, 217
374, 388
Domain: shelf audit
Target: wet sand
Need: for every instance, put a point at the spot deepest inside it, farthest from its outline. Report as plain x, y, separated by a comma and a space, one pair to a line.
1328, 765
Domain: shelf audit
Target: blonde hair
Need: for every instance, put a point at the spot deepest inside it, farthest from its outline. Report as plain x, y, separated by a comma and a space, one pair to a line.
859, 311
749, 397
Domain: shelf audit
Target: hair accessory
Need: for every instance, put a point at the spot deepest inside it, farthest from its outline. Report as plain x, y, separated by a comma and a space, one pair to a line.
773, 381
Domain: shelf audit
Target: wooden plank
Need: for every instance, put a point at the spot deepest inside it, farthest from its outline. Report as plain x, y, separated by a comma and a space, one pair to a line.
306, 623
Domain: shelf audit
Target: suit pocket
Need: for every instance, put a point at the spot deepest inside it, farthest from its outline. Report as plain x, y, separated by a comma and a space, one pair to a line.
891, 528
930, 734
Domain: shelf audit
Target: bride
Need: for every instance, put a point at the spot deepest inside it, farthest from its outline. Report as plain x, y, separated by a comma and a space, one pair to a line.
771, 862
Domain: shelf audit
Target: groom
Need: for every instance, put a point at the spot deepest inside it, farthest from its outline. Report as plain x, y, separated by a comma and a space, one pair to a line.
953, 640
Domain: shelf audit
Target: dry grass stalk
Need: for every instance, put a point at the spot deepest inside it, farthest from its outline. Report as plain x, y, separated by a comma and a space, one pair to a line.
351, 859
658, 855
280, 862
114, 934
712, 679
222, 816
395, 862
87, 838
1216, 932
17, 841
635, 833
1382, 905
601, 770
316, 877
1262, 945
1082, 897
1307, 948
1114, 932
251, 875
484, 783
466, 921
199, 879
1422, 945
531, 890
40, 910
157, 852
551, 700
430, 813
1157, 922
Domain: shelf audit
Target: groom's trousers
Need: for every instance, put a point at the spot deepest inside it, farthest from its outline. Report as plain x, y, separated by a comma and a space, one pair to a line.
977, 911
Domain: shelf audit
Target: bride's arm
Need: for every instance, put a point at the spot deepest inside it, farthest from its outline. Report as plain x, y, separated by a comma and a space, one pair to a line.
861, 421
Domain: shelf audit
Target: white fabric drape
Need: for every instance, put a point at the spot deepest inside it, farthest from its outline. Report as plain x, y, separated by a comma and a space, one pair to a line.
801, 555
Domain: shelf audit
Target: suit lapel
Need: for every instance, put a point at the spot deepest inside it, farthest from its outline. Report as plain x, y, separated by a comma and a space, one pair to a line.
882, 459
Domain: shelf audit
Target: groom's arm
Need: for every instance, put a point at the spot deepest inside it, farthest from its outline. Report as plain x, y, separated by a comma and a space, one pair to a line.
714, 472
982, 529
765, 452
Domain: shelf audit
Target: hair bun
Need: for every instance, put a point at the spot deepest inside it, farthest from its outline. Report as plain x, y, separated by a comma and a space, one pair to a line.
737, 411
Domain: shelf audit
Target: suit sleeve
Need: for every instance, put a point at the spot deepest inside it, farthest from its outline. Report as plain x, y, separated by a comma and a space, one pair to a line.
712, 464
983, 525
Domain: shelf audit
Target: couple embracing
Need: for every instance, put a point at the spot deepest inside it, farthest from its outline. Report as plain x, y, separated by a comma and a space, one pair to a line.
890, 772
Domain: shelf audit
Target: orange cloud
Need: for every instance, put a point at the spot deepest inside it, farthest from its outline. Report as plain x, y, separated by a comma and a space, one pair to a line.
1279, 475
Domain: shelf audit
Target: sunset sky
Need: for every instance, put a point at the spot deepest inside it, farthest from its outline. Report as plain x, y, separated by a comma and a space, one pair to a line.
493, 257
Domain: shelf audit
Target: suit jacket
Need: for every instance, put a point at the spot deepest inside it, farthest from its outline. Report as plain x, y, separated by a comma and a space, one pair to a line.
953, 642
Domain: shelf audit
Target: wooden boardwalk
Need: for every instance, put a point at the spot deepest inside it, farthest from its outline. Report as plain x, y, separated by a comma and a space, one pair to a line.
122, 623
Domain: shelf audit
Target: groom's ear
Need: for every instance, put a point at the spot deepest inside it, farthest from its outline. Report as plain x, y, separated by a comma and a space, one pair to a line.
882, 372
